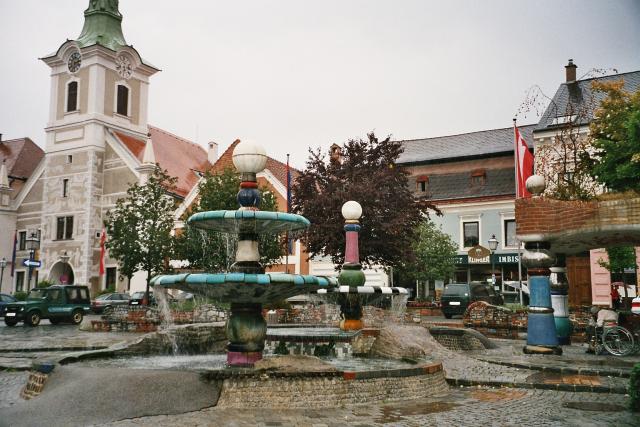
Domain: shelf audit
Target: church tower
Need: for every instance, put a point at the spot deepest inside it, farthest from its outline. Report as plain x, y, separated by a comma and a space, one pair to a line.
99, 87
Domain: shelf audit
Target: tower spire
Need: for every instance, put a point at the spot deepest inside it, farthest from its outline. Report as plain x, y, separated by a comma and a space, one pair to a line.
102, 25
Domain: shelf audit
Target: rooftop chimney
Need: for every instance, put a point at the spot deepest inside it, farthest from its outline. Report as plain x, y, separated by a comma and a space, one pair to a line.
570, 69
212, 154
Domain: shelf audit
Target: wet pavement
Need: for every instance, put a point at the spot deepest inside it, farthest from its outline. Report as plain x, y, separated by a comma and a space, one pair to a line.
543, 390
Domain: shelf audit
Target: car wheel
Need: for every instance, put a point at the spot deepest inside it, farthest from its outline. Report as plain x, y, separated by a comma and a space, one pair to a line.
107, 310
32, 319
448, 316
76, 317
10, 322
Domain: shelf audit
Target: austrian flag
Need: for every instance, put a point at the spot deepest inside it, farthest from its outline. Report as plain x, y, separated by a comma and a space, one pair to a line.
524, 164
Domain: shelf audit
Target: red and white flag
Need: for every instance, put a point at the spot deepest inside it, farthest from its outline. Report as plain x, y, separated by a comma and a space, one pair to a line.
103, 239
524, 164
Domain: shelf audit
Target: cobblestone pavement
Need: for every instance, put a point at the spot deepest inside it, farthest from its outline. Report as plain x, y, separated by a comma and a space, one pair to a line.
462, 407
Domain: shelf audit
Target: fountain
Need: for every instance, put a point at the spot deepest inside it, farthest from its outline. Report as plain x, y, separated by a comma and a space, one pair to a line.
246, 287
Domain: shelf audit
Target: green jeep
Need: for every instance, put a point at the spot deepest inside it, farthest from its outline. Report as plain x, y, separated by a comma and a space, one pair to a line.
56, 303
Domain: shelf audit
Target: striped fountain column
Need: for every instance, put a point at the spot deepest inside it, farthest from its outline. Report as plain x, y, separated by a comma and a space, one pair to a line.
541, 329
560, 301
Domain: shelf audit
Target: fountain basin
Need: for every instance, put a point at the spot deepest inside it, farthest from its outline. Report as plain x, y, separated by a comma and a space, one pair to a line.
248, 221
243, 287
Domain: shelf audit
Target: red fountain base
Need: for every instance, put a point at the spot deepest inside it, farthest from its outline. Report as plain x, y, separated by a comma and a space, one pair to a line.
243, 359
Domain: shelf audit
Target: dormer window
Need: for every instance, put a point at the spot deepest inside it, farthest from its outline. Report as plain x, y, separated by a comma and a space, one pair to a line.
478, 176
72, 96
122, 103
422, 183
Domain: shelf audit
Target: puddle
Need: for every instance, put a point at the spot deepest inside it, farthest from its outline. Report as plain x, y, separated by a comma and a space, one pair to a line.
554, 378
498, 395
594, 406
393, 414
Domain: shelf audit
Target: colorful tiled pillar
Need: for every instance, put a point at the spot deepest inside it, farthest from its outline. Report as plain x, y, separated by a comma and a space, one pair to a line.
351, 274
560, 300
541, 330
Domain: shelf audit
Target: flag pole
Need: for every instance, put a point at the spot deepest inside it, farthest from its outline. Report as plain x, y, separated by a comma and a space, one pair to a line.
286, 245
517, 165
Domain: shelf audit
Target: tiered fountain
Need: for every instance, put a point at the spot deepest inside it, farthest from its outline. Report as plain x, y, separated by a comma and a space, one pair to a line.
246, 287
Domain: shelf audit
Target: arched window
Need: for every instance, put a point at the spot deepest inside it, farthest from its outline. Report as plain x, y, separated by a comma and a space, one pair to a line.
72, 96
122, 104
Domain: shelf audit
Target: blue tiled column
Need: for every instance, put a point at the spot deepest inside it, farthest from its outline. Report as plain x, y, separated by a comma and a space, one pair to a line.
541, 329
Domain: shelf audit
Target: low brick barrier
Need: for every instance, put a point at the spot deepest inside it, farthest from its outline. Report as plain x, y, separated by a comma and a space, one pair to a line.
458, 339
331, 389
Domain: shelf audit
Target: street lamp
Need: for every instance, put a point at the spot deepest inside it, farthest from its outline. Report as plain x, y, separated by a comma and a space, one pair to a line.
493, 245
3, 264
32, 243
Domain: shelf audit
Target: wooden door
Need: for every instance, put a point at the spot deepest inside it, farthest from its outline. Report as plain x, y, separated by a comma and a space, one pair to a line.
579, 275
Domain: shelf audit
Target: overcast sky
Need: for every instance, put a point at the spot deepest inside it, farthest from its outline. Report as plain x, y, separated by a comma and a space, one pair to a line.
297, 74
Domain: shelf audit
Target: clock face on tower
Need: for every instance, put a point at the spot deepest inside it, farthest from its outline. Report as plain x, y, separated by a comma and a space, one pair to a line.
74, 62
123, 67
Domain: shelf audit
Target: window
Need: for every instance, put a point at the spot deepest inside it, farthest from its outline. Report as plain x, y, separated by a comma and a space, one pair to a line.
64, 228
65, 187
510, 233
72, 96
478, 176
421, 183
19, 281
69, 158
110, 281
122, 106
22, 240
471, 233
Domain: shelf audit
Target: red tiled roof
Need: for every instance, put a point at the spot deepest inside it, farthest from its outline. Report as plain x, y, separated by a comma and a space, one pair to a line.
21, 157
178, 156
277, 168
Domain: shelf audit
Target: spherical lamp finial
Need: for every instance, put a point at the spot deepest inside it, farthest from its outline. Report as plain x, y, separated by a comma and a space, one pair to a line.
535, 185
351, 210
249, 157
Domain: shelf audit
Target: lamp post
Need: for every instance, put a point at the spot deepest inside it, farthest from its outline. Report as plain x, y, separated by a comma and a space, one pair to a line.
3, 264
493, 245
32, 243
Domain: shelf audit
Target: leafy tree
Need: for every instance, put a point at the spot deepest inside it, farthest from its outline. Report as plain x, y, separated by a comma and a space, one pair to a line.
139, 226
211, 251
434, 254
620, 258
365, 171
615, 131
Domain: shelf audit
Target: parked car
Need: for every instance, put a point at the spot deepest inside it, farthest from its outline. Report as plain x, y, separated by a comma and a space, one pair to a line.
106, 302
4, 300
456, 297
137, 297
56, 303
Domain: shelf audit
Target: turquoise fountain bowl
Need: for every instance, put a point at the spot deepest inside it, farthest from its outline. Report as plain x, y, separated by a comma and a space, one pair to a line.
245, 288
260, 222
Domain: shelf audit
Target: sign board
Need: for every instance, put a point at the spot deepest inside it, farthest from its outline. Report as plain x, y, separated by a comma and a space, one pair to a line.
507, 258
478, 252
28, 263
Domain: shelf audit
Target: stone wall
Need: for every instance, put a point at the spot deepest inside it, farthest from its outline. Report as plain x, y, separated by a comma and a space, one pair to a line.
329, 391
460, 339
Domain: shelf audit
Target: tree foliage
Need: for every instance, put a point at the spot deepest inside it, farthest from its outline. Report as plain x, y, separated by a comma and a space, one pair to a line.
139, 226
434, 254
366, 172
615, 131
620, 258
211, 251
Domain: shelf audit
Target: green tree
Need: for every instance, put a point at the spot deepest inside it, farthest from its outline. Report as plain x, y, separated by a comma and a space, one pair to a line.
620, 259
434, 254
364, 171
211, 251
139, 226
615, 131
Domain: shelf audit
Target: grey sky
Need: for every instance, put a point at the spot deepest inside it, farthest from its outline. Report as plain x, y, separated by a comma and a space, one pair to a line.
297, 74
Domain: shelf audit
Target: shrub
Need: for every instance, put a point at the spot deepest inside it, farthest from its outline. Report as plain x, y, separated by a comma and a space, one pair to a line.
634, 389
44, 284
106, 291
20, 296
